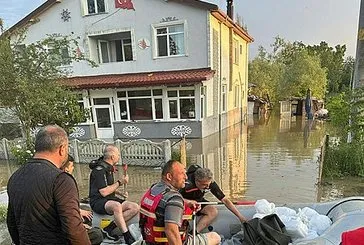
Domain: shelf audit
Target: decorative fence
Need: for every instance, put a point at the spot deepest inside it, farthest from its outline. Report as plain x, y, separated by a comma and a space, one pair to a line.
138, 152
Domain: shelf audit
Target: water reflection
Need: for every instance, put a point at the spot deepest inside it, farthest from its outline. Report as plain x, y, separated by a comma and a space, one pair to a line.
273, 158
282, 159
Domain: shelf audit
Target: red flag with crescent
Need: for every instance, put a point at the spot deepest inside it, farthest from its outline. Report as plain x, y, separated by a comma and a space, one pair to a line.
124, 4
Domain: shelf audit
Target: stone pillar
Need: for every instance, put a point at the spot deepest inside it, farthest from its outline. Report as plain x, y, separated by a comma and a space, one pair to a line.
75, 150
183, 156
6, 149
167, 150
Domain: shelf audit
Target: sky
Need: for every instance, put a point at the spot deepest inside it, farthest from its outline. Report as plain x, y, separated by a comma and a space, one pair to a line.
309, 21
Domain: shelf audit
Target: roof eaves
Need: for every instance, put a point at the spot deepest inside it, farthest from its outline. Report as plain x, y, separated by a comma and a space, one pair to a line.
32, 15
220, 15
202, 4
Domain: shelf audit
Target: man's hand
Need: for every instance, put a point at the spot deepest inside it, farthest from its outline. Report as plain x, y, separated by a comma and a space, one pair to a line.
242, 219
86, 214
124, 179
192, 204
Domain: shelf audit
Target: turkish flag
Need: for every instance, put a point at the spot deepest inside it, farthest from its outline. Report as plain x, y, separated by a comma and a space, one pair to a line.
124, 4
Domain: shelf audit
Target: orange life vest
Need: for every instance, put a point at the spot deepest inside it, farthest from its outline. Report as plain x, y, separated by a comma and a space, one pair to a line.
152, 224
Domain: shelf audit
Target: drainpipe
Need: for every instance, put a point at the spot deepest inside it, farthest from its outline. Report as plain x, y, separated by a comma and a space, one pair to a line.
359, 58
220, 80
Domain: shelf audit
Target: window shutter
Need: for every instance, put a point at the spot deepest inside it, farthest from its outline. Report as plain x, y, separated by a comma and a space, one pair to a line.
83, 4
133, 43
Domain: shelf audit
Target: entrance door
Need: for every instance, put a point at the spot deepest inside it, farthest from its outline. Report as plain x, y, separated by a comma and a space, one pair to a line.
103, 117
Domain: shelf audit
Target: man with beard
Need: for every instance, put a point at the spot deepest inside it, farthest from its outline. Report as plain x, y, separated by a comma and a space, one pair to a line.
43, 200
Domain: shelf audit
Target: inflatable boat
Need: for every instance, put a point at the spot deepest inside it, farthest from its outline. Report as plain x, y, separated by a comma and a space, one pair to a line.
346, 214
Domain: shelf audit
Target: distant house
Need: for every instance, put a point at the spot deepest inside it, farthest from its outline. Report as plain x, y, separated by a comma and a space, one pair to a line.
295, 106
167, 68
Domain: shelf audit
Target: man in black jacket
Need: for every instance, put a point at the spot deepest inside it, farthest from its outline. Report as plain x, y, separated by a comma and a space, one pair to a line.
43, 200
103, 188
199, 182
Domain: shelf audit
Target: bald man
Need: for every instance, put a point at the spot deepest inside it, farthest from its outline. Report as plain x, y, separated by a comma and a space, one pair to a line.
103, 188
43, 199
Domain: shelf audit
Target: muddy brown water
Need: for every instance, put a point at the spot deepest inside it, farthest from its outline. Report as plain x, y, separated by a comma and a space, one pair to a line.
270, 158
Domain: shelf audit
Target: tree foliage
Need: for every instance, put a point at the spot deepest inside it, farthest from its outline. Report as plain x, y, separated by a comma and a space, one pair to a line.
30, 81
290, 68
333, 60
303, 72
267, 81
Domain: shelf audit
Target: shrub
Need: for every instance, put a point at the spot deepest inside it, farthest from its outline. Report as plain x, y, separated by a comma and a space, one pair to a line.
3, 211
345, 159
22, 152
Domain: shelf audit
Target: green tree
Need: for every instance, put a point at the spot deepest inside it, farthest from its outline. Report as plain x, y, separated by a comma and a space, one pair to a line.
265, 75
303, 72
333, 60
30, 81
288, 70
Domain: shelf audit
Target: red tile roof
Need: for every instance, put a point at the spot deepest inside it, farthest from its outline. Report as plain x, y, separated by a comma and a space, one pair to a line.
141, 79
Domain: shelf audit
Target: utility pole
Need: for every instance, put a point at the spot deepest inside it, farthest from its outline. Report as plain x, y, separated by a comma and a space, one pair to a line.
358, 80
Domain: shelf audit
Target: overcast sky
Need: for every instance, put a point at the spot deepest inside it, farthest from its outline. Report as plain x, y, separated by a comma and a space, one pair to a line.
310, 21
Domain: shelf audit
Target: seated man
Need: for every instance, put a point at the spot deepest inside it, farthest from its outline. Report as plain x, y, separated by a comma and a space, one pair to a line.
199, 182
103, 189
163, 214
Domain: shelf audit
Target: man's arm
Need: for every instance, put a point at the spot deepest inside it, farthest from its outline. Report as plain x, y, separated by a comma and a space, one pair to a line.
173, 219
172, 233
10, 221
67, 205
233, 209
110, 189
217, 192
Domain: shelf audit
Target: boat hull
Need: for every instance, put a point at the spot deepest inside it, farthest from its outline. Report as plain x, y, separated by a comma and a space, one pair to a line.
346, 214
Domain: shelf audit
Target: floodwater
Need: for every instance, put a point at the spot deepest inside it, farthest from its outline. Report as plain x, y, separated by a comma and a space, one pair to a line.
272, 158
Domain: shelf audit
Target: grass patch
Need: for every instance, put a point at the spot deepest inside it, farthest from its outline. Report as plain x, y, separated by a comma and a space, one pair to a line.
344, 160
3, 211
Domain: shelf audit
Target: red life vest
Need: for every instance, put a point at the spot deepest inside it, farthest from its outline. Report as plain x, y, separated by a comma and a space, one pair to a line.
152, 227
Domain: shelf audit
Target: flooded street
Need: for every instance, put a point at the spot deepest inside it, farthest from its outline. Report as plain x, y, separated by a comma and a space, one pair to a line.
275, 159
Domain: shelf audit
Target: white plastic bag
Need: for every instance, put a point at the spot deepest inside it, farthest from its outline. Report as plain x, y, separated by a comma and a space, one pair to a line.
319, 223
262, 206
259, 216
306, 214
284, 211
296, 228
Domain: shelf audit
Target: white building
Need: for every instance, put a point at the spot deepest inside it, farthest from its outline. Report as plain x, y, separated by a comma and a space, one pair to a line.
166, 67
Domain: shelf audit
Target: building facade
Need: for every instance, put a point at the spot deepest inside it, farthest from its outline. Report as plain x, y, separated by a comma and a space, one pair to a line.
166, 68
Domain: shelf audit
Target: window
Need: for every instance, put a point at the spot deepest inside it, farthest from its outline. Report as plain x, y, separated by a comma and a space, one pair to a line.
96, 6
140, 104
181, 104
81, 102
116, 47
170, 40
203, 102
59, 54
103, 112
236, 52
104, 52
124, 51
223, 98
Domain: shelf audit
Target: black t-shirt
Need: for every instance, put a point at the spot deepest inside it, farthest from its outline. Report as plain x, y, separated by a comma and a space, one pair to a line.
191, 192
101, 176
